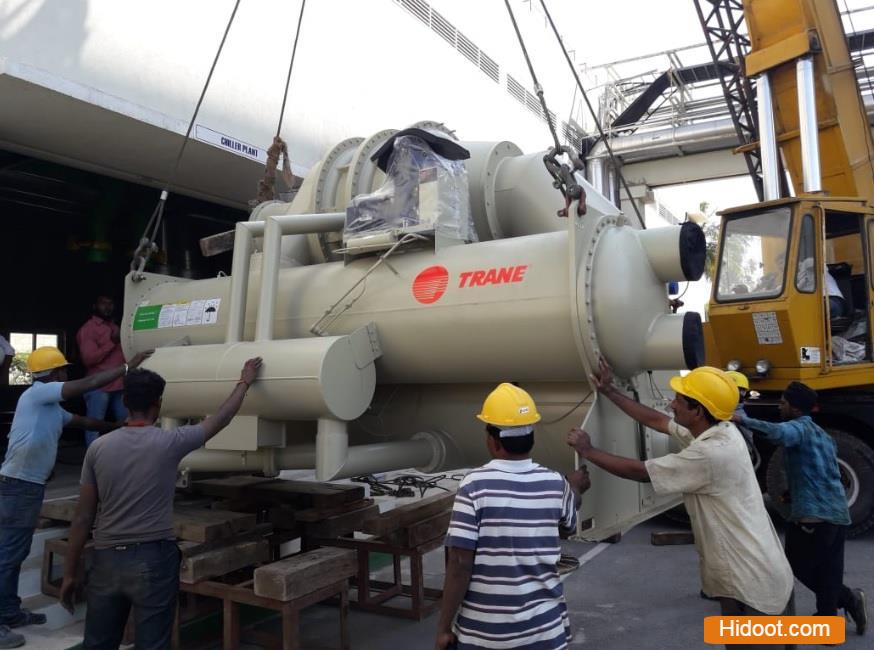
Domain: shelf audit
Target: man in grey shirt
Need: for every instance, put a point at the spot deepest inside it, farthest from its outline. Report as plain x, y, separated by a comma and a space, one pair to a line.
131, 475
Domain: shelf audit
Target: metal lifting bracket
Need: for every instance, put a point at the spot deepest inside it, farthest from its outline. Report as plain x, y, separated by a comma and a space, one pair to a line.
563, 178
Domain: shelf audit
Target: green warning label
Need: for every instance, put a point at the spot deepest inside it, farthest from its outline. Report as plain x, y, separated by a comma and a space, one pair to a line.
146, 317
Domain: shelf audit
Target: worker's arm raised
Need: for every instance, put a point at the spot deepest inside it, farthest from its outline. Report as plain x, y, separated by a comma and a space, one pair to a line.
787, 434
459, 568
629, 468
79, 387
83, 520
602, 380
215, 423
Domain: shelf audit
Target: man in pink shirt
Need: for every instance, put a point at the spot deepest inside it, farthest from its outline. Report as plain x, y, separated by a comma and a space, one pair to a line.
100, 349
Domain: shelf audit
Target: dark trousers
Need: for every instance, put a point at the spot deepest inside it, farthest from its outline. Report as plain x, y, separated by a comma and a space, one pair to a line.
733, 607
20, 503
816, 554
142, 576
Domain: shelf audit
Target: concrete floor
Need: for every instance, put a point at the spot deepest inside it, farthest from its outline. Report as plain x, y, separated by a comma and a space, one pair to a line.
625, 595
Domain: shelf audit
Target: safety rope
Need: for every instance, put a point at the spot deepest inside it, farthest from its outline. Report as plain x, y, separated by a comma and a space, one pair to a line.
147, 246
594, 116
562, 174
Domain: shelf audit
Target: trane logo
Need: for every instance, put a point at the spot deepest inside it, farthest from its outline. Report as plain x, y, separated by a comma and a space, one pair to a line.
431, 283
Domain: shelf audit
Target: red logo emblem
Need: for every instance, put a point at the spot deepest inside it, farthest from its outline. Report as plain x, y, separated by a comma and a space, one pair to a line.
430, 285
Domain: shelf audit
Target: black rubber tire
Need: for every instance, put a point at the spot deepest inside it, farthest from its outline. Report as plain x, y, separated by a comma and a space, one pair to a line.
855, 456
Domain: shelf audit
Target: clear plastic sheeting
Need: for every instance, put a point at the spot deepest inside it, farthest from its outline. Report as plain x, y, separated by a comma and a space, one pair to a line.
423, 193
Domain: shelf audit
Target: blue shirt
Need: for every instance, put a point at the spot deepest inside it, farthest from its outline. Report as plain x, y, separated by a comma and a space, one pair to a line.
36, 429
812, 472
509, 513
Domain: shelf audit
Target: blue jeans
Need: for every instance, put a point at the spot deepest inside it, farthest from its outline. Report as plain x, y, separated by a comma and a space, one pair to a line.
142, 576
20, 503
100, 402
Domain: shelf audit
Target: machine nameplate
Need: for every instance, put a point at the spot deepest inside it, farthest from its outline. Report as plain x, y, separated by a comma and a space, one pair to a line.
767, 328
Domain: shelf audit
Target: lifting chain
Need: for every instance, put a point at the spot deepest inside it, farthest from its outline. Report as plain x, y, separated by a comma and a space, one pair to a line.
563, 178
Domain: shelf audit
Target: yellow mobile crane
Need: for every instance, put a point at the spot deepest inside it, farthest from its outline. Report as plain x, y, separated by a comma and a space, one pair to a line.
794, 284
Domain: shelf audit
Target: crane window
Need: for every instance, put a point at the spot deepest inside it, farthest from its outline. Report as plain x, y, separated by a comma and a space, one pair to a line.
805, 274
752, 263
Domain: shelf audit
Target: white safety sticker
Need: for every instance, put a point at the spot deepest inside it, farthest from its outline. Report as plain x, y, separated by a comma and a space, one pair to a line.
809, 355
767, 328
196, 312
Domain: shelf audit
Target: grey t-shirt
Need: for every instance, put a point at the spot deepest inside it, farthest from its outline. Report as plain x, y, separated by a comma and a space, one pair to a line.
134, 469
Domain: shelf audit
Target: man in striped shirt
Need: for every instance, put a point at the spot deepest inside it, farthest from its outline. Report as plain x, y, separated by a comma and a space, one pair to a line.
502, 588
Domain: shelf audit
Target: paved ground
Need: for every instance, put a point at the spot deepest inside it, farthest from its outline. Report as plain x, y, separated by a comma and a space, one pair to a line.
625, 595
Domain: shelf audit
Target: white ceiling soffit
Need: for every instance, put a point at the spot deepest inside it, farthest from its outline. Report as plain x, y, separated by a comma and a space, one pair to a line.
54, 119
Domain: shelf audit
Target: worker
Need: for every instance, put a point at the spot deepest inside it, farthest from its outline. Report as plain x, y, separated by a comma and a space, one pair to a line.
30, 457
720, 492
100, 348
130, 478
819, 513
502, 588
7, 354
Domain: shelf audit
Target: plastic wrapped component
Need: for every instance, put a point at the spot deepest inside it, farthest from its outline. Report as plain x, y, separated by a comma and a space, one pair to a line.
423, 193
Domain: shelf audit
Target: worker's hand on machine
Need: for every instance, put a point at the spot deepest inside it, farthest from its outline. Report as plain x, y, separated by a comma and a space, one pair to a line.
602, 379
138, 358
250, 370
579, 479
580, 441
68, 592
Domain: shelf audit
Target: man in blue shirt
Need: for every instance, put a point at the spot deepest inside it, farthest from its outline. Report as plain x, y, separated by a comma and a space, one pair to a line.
30, 458
815, 532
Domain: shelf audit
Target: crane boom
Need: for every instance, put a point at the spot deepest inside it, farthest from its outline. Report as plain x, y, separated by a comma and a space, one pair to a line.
781, 32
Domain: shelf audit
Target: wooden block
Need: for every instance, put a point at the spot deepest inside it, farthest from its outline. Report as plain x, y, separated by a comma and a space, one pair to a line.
428, 529
223, 560
672, 538
320, 514
231, 487
308, 494
283, 518
305, 573
195, 548
341, 523
216, 244
59, 509
204, 525
409, 513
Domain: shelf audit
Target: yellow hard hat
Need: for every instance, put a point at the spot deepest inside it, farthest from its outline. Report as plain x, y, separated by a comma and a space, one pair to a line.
739, 378
712, 387
509, 406
46, 358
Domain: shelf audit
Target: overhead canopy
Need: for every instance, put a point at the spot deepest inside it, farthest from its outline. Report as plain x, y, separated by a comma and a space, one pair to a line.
51, 118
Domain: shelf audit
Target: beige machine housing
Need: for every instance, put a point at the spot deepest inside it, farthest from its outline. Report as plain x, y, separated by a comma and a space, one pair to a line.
396, 374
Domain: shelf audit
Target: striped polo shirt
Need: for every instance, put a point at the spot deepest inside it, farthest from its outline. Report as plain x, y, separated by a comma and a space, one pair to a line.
509, 512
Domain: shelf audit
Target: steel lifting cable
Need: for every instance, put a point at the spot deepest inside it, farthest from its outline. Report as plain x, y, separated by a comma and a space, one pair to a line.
303, 5
147, 246
594, 116
562, 174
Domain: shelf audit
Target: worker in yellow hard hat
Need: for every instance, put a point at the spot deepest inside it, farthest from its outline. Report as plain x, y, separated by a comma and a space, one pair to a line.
33, 444
719, 488
505, 522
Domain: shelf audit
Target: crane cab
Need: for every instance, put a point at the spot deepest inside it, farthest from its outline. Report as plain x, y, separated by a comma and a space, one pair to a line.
792, 293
